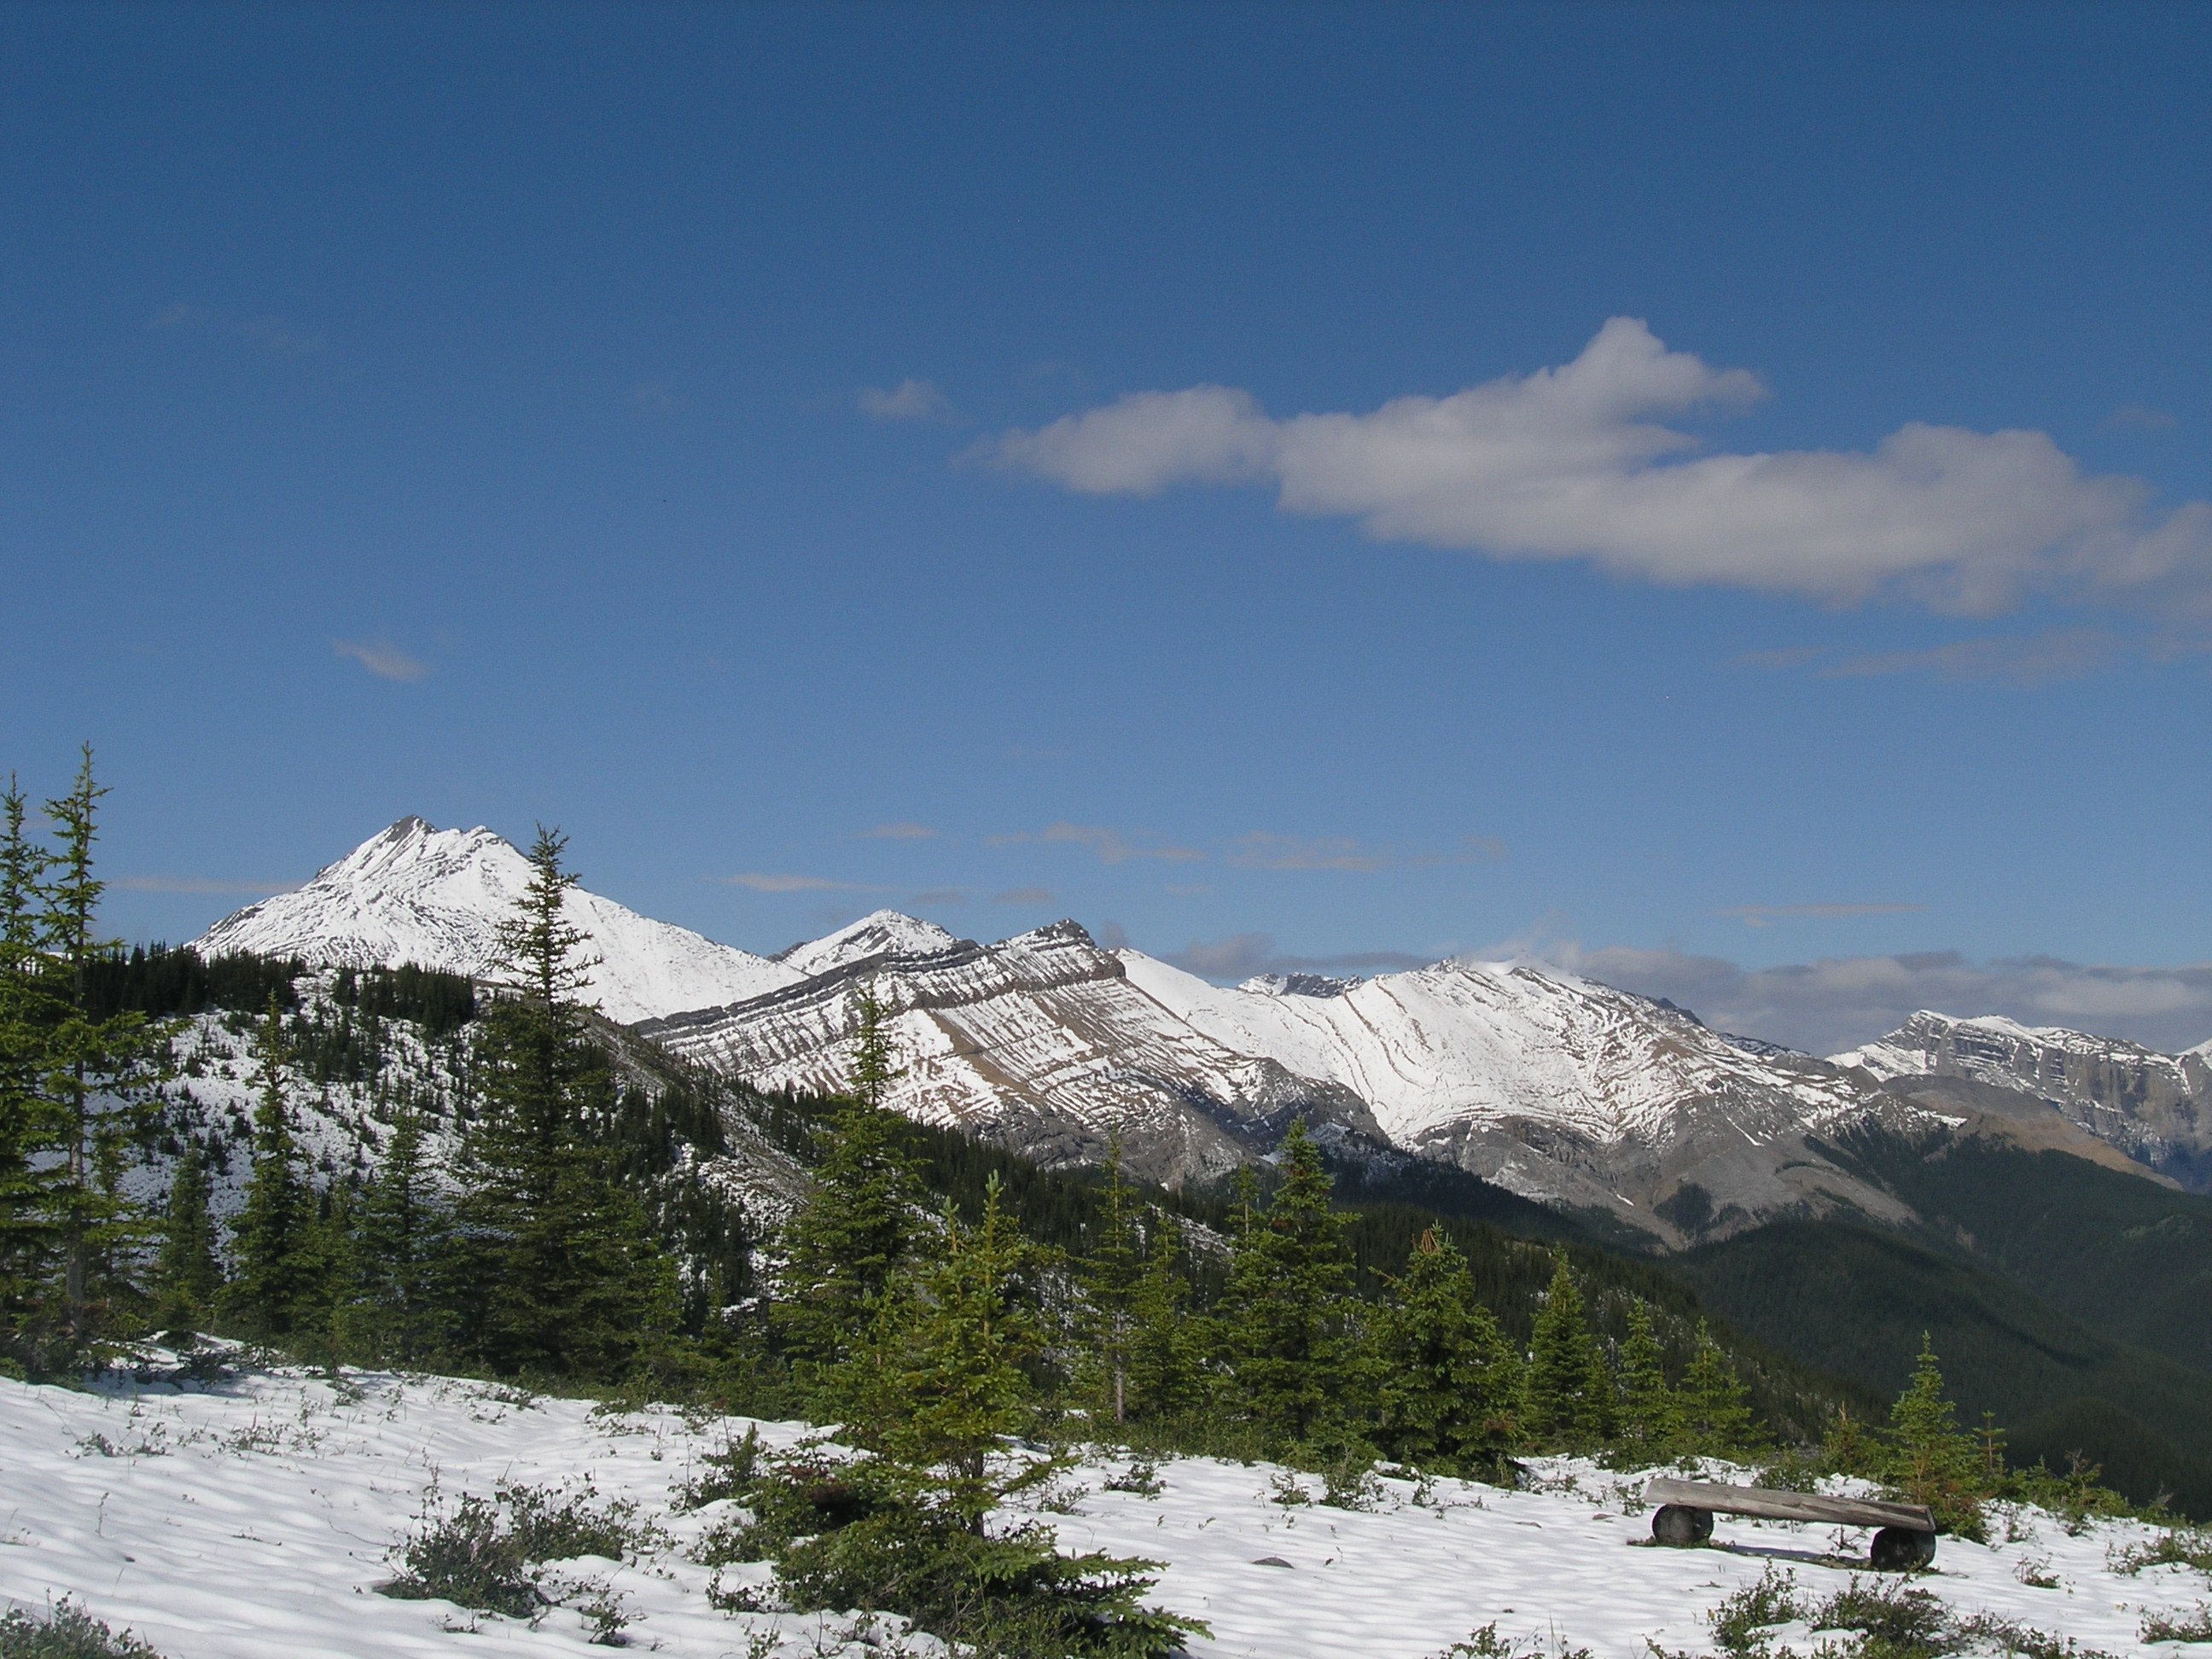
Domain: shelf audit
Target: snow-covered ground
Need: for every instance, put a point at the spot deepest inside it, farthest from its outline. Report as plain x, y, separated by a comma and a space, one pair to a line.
253, 1519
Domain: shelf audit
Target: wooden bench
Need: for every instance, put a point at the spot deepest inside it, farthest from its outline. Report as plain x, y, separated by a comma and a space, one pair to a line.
1905, 1537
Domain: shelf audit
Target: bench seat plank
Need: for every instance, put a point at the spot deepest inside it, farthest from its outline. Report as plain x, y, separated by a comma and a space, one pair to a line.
1788, 1505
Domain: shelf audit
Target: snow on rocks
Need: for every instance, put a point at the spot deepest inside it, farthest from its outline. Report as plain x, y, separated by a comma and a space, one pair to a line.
254, 1518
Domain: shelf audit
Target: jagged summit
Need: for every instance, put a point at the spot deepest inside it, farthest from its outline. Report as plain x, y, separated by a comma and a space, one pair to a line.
2155, 1107
882, 933
435, 897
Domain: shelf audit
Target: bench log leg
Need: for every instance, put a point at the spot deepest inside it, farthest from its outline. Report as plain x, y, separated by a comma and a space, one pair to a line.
1900, 1549
1680, 1526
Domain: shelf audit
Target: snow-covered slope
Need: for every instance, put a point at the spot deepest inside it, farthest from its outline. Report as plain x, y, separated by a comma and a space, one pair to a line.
2157, 1108
1557, 1087
435, 897
884, 934
1563, 1090
1039, 1042
255, 1520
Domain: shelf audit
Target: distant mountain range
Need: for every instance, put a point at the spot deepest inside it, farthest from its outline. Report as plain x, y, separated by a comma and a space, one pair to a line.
1569, 1092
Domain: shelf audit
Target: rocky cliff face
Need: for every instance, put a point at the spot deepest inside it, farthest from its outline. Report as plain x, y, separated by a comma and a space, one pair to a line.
2156, 1108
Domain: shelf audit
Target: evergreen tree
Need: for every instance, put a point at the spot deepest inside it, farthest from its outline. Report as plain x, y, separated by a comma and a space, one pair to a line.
1716, 1404
1931, 1460
1650, 1414
1112, 1277
190, 1274
1449, 1383
29, 1126
1568, 1394
554, 1261
1165, 1354
280, 1263
957, 1387
1286, 1310
94, 1075
400, 1234
846, 1244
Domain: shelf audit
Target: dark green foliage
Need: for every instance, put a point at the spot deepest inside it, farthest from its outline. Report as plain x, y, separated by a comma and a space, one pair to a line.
479, 1553
1715, 1406
190, 1275
282, 1272
1112, 1279
1448, 1389
441, 1003
399, 1237
162, 979
1567, 1397
554, 1266
1931, 1461
2128, 1258
1285, 1314
1893, 1619
74, 1082
1855, 1303
67, 1632
1651, 1425
846, 1246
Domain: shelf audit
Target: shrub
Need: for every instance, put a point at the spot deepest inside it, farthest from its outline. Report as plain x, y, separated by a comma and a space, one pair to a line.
67, 1632
477, 1557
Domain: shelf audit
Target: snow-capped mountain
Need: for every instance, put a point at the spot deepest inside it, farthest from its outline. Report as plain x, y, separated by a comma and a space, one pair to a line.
2157, 1108
1557, 1088
1040, 1043
1561, 1090
435, 897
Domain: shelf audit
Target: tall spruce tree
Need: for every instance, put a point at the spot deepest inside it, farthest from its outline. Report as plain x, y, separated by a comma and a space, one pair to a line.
554, 1261
29, 1125
846, 1244
1716, 1403
1112, 1277
400, 1232
1166, 1356
1931, 1460
96, 1074
1286, 1314
275, 1241
190, 1272
1449, 1385
1567, 1397
1650, 1415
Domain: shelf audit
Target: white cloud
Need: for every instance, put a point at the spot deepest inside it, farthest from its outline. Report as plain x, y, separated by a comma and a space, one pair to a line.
1569, 463
787, 883
382, 659
909, 400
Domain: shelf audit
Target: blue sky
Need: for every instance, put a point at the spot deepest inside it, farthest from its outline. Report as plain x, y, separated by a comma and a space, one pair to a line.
719, 431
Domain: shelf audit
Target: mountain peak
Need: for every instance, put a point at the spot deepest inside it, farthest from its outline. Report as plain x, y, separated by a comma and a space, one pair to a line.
435, 897
880, 933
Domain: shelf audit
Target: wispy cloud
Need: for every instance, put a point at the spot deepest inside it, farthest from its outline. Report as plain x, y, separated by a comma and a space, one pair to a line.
204, 884
272, 334
1241, 956
2140, 418
382, 659
658, 396
1023, 895
1111, 846
1840, 1002
937, 896
762, 883
1759, 915
909, 400
1261, 850
896, 832
1570, 463
2024, 660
